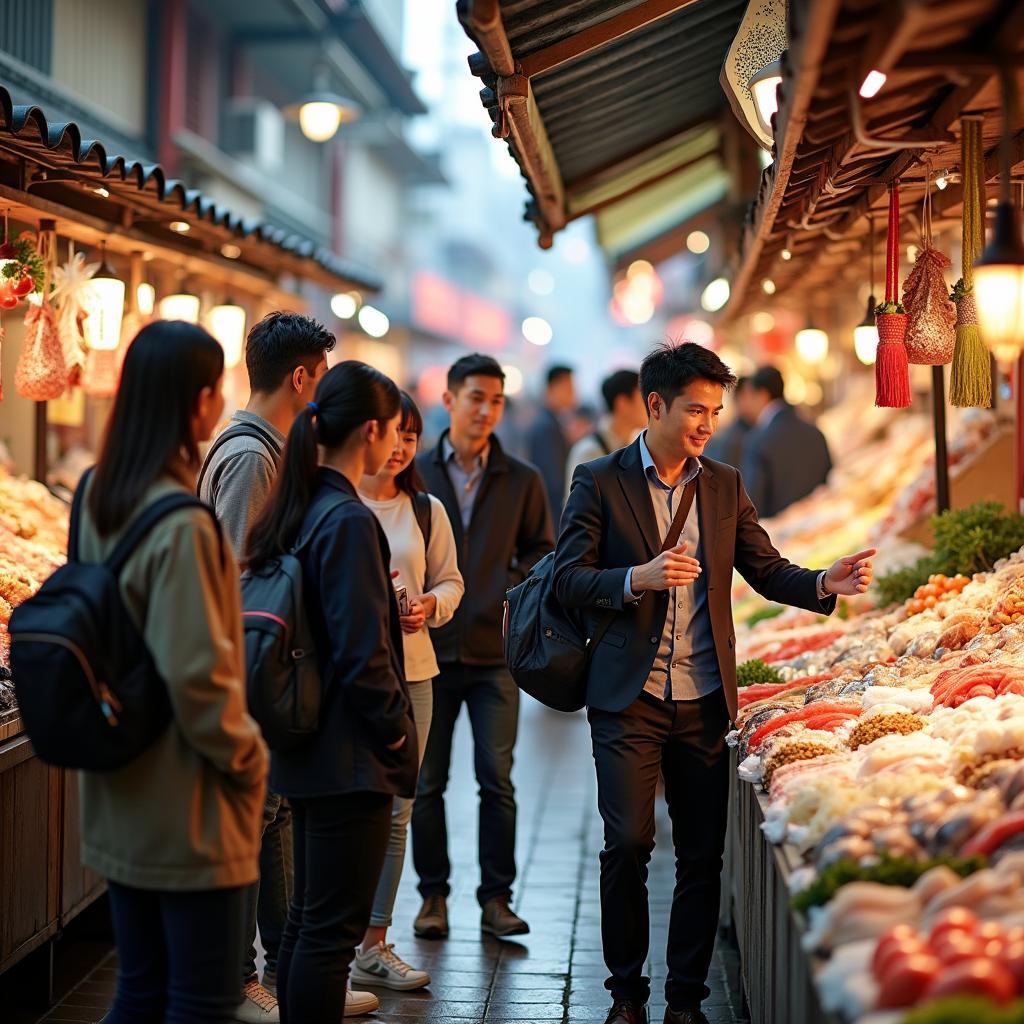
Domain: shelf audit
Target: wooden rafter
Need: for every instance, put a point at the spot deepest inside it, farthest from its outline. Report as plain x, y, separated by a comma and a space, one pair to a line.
599, 35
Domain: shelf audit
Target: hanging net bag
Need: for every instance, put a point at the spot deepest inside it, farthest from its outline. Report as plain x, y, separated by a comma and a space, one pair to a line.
41, 374
970, 382
931, 315
892, 375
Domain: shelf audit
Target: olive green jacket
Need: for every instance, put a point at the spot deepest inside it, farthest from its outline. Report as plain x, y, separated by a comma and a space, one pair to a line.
187, 813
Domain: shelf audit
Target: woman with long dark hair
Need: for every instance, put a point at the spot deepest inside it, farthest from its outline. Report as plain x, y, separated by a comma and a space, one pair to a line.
342, 781
424, 557
176, 831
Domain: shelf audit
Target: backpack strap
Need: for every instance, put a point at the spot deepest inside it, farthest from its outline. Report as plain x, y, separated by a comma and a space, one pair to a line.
142, 525
424, 510
239, 430
304, 538
599, 438
76, 514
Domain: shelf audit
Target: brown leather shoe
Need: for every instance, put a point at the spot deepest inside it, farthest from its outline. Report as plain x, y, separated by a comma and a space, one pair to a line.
684, 1016
499, 920
432, 920
627, 1011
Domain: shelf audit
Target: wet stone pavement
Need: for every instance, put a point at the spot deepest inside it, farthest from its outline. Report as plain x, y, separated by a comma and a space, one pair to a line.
556, 973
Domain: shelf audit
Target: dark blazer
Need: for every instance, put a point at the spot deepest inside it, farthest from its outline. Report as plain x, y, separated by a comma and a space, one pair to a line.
547, 448
609, 525
509, 531
784, 461
354, 617
727, 445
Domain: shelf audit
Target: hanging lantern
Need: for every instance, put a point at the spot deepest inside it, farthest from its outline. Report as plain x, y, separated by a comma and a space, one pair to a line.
812, 345
180, 306
102, 325
865, 335
145, 298
227, 324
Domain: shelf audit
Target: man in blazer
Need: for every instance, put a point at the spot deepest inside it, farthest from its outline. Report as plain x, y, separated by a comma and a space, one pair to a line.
661, 688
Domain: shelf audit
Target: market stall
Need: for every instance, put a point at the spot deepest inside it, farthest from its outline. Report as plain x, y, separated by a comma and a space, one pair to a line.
92, 246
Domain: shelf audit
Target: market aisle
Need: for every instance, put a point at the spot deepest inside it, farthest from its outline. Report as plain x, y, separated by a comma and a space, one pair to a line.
557, 973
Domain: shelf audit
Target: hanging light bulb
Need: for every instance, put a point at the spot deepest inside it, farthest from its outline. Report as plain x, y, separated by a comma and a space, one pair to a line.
865, 335
999, 271
763, 87
145, 298
102, 325
322, 112
226, 323
812, 345
181, 305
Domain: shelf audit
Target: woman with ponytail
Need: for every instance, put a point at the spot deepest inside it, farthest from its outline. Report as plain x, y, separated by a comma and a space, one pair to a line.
341, 783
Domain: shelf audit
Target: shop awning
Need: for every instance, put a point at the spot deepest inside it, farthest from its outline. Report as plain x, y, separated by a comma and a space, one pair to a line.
63, 172
605, 103
836, 153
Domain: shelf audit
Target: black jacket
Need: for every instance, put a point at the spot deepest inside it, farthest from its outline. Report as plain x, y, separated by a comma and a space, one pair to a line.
784, 461
509, 531
354, 617
609, 525
548, 450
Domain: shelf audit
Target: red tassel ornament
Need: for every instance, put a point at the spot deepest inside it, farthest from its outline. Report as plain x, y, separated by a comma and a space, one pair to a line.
892, 368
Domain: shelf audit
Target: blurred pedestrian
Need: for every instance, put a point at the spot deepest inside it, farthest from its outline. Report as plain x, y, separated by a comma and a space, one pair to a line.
500, 519
285, 356
625, 418
341, 781
547, 445
424, 558
177, 831
727, 445
784, 456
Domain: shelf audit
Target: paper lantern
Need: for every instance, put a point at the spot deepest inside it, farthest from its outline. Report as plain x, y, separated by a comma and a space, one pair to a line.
102, 325
227, 324
812, 345
999, 287
180, 306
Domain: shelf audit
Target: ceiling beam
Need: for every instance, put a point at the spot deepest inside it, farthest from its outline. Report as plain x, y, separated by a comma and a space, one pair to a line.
599, 35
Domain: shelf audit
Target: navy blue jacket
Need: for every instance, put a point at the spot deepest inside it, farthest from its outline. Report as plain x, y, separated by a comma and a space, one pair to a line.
354, 617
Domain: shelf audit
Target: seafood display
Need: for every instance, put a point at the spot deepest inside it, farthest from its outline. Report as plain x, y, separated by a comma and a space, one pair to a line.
891, 758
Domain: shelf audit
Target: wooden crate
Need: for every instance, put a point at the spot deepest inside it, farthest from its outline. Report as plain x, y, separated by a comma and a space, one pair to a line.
79, 885
30, 838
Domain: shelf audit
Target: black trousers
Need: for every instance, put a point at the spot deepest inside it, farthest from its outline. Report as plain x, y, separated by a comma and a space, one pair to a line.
179, 955
685, 741
340, 843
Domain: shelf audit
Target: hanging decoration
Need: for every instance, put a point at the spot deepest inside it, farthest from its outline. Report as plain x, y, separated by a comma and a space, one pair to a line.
971, 380
2, 335
865, 334
21, 267
41, 374
71, 297
892, 374
931, 315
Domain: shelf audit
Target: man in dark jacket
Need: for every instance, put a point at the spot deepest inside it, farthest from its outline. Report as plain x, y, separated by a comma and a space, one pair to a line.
728, 444
547, 446
499, 515
784, 456
654, 532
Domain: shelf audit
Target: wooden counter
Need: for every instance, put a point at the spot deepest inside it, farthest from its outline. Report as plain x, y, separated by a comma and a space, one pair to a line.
42, 882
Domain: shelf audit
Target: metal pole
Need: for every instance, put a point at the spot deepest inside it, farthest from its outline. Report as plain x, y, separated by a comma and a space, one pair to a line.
941, 456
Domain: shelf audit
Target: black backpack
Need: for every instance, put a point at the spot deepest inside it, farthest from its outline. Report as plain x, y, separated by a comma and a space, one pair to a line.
423, 510
547, 649
89, 694
283, 684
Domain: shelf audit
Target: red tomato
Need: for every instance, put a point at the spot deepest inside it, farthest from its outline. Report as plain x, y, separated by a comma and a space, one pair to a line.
23, 286
955, 919
952, 947
974, 977
907, 980
896, 953
896, 936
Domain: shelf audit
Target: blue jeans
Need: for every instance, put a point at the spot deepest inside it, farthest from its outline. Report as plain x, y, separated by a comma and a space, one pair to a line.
267, 899
179, 955
422, 697
493, 702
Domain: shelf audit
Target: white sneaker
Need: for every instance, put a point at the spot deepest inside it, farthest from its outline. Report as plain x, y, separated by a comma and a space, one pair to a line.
359, 1003
258, 1007
381, 965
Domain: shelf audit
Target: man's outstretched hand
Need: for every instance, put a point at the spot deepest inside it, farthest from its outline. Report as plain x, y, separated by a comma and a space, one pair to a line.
851, 575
